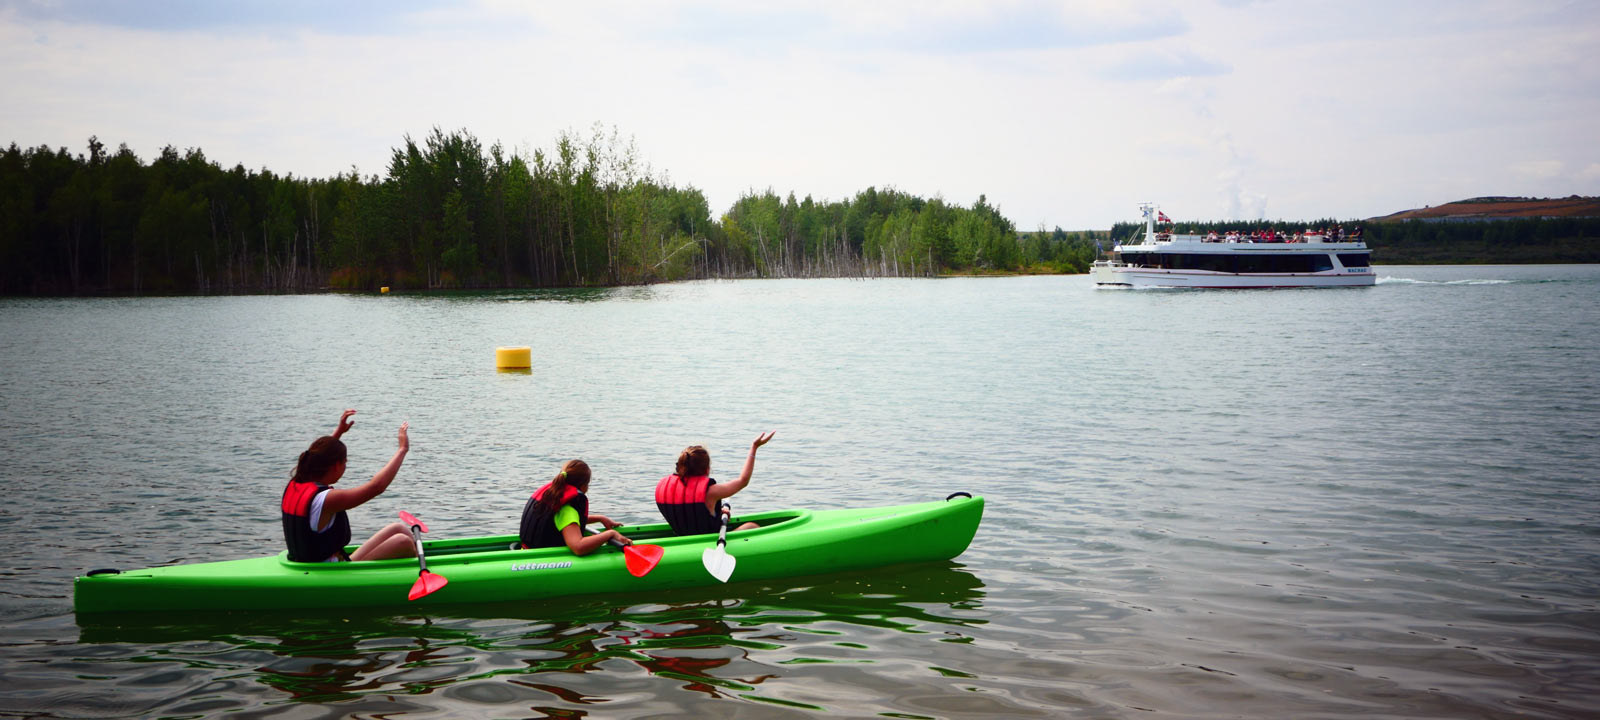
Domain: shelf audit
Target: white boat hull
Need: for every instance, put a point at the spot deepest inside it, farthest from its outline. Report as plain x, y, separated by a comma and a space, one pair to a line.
1137, 277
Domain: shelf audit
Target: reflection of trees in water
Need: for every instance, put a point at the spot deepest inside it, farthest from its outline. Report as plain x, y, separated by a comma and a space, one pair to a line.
689, 649
722, 648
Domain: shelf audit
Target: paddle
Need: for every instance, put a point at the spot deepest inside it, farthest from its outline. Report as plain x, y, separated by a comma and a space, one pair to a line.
427, 582
641, 559
716, 558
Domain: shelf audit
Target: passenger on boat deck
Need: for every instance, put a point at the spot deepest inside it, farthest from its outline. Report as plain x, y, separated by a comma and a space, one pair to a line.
315, 526
691, 501
556, 513
1211, 236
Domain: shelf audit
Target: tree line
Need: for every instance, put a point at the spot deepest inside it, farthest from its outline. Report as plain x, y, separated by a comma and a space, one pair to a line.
449, 213
1421, 242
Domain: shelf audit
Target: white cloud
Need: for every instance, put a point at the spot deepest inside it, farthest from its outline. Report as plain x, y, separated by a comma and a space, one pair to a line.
1063, 113
1538, 169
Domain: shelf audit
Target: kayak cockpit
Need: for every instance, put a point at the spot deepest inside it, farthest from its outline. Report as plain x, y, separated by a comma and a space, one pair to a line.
449, 551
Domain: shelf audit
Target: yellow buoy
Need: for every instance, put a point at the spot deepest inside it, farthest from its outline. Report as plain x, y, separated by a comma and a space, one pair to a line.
518, 357
384, 289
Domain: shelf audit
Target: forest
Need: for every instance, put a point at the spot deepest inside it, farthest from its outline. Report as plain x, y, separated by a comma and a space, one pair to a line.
450, 213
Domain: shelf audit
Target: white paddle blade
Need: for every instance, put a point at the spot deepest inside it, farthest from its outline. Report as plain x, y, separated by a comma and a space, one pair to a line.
718, 562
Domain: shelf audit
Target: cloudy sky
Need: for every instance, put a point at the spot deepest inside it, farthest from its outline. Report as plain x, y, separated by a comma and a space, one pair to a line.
1063, 113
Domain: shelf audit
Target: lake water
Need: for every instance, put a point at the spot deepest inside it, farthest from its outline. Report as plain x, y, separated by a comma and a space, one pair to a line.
1369, 502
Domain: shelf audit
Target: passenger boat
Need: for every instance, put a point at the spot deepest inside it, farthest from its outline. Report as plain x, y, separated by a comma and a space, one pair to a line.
1194, 261
488, 569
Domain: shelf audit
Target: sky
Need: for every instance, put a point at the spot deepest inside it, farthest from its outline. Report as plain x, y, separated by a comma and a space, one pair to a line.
1062, 114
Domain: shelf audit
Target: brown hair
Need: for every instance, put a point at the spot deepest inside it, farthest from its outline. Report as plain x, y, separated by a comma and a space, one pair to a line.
574, 473
694, 461
314, 463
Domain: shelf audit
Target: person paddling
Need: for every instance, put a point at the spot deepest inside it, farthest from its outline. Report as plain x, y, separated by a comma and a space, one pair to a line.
315, 526
556, 513
691, 501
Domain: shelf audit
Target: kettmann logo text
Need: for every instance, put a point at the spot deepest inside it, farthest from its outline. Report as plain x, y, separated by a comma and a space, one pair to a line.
541, 566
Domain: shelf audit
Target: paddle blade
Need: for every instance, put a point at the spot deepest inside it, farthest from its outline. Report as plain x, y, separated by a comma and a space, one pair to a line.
642, 559
718, 562
412, 520
427, 584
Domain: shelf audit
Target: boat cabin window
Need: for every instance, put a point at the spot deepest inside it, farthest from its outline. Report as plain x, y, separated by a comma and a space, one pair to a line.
1351, 260
1284, 263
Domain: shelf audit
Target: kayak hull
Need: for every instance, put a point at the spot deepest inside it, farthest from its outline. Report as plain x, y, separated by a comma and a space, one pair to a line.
486, 569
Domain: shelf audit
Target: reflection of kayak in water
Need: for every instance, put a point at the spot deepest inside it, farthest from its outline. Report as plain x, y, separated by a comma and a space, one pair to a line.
485, 569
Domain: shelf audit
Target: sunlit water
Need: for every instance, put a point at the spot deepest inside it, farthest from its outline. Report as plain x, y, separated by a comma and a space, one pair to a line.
1370, 502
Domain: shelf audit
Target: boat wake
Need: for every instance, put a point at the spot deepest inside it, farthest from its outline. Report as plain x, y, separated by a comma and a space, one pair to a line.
1386, 280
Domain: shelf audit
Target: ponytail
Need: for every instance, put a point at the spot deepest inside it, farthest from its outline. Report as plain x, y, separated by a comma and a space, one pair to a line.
575, 474
315, 462
694, 461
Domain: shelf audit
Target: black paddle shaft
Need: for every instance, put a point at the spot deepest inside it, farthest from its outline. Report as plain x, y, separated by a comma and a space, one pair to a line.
416, 537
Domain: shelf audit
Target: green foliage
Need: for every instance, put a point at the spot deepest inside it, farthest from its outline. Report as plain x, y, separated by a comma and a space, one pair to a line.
878, 232
449, 213
1059, 251
1493, 242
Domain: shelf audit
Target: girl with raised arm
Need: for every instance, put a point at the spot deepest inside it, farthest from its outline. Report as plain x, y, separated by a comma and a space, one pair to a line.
691, 501
315, 526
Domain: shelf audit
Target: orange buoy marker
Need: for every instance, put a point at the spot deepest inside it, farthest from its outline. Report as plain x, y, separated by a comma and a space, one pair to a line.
517, 357
384, 290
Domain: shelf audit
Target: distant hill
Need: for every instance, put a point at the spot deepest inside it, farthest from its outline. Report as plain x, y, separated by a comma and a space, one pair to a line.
1503, 208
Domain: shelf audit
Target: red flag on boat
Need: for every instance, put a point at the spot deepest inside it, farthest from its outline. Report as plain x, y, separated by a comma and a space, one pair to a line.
1162, 217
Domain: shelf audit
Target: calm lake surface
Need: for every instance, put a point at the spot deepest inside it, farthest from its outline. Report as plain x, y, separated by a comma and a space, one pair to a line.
1369, 502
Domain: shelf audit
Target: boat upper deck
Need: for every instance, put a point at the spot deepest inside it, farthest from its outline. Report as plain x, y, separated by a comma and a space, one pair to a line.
1172, 242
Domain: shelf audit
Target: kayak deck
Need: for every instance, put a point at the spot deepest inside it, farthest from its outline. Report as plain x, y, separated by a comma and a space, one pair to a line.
492, 569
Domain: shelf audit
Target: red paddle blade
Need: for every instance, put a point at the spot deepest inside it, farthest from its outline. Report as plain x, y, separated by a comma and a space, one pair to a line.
427, 584
410, 519
642, 558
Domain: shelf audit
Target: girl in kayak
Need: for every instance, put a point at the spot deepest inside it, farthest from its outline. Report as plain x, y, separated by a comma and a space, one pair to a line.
556, 513
315, 526
691, 501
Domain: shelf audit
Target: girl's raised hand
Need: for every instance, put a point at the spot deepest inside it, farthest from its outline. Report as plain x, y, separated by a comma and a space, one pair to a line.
405, 442
762, 439
345, 423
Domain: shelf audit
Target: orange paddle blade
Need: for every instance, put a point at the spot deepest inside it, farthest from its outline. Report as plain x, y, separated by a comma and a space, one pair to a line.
642, 558
427, 584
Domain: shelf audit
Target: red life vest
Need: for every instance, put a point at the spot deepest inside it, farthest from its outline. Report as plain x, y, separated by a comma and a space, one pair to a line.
683, 504
538, 526
305, 543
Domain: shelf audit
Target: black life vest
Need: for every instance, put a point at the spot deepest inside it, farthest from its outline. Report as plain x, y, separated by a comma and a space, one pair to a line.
538, 525
306, 544
683, 504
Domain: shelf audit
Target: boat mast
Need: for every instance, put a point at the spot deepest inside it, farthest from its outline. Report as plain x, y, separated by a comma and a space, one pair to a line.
1149, 211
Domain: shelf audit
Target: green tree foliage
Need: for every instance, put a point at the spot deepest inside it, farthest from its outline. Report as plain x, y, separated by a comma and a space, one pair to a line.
878, 232
1059, 251
449, 213
1535, 240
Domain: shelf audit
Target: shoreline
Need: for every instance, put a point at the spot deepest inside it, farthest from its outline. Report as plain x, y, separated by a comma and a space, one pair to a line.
569, 288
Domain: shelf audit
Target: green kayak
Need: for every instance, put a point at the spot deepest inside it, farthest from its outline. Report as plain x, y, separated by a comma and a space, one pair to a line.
486, 569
